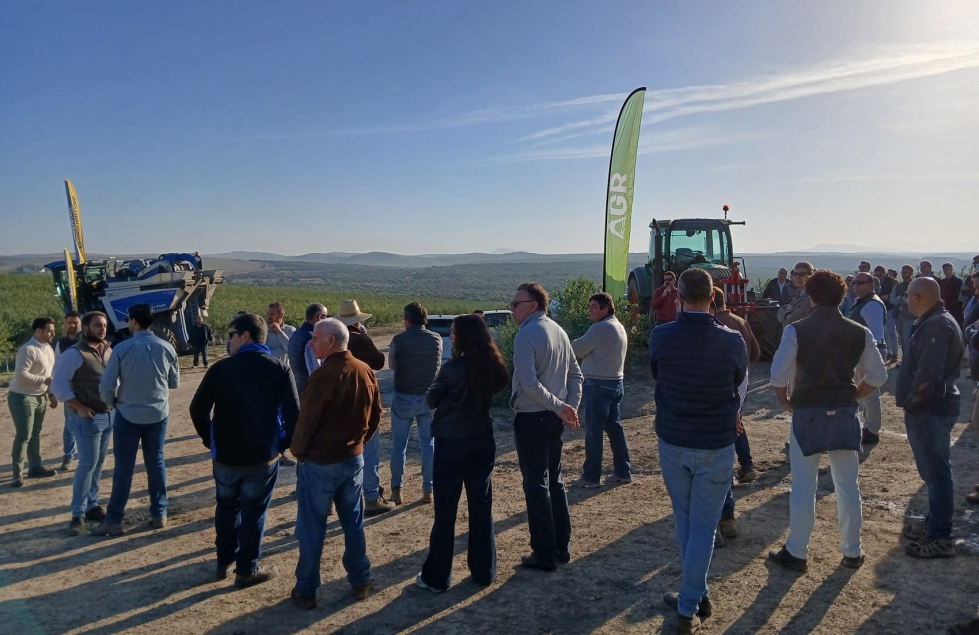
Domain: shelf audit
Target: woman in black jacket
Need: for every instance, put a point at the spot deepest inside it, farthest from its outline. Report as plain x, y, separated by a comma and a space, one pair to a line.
465, 452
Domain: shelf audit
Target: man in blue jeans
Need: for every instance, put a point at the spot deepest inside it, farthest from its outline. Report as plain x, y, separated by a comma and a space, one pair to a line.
698, 365
926, 390
602, 353
340, 411
76, 384
144, 367
415, 357
253, 396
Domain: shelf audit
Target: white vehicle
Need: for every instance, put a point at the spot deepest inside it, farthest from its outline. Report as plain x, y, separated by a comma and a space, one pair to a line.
497, 318
442, 324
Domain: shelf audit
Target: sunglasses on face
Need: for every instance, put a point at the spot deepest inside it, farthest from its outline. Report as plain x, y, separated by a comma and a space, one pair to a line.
799, 274
856, 282
231, 334
516, 303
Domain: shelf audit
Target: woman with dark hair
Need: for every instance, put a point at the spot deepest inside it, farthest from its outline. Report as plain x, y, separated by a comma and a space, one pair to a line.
465, 452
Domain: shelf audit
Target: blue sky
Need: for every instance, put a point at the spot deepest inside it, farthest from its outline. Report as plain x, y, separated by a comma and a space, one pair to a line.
432, 127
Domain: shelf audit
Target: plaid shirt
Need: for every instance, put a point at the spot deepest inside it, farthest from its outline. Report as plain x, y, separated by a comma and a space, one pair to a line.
144, 367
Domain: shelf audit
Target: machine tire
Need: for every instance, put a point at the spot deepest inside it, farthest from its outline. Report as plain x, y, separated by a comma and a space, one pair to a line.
166, 334
639, 304
767, 329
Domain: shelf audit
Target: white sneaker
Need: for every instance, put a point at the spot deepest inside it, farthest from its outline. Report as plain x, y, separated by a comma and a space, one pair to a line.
421, 583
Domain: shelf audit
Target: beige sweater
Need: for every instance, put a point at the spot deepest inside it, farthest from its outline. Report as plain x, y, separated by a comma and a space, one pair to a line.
35, 363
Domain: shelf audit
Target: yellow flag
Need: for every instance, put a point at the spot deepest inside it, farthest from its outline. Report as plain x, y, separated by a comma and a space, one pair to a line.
75, 213
72, 289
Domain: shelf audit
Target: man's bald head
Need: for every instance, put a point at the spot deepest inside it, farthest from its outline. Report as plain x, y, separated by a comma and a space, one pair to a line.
923, 295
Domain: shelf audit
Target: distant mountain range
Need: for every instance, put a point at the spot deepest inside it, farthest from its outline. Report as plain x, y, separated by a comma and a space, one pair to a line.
385, 259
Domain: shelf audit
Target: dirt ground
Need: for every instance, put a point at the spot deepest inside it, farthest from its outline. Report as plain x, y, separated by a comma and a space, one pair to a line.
624, 556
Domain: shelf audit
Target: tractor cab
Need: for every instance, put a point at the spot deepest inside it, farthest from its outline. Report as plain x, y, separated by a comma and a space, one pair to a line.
702, 243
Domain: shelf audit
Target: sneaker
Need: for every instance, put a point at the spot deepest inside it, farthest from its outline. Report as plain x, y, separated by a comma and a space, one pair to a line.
96, 514
67, 465
746, 474
852, 563
40, 472
363, 592
396, 496
685, 625
108, 529
562, 557
158, 522
915, 530
307, 602
704, 609
534, 562
421, 583
426, 498
931, 548
76, 526
285, 461
584, 483
17, 481
728, 527
224, 570
787, 560
614, 478
869, 438
378, 507
260, 575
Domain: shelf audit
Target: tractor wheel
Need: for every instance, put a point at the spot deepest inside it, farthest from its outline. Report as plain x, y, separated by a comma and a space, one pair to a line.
637, 303
165, 333
767, 330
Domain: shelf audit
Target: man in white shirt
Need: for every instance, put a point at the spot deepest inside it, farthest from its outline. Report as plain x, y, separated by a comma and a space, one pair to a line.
29, 397
813, 375
279, 332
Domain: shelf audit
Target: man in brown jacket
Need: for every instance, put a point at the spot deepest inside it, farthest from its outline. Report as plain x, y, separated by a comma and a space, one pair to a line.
339, 412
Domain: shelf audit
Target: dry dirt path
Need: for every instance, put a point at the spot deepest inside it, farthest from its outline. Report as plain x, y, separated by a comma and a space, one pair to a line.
623, 551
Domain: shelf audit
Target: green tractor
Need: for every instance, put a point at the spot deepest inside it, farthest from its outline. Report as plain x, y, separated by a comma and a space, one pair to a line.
705, 243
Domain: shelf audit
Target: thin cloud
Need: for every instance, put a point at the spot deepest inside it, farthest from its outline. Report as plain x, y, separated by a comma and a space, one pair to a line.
945, 175
671, 141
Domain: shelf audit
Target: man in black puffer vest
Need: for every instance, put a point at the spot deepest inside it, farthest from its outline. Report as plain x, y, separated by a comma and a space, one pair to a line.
816, 363
699, 366
255, 405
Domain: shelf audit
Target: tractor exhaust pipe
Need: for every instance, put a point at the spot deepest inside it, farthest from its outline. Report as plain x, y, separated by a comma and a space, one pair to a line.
657, 254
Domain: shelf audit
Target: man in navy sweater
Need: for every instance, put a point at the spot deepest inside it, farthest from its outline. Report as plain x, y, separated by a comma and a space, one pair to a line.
699, 366
253, 396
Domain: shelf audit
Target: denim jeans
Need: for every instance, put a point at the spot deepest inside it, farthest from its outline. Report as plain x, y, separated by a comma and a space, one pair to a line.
92, 439
930, 437
317, 485
200, 351
844, 467
743, 449
405, 409
890, 334
728, 510
537, 436
126, 438
601, 399
27, 411
243, 497
372, 474
698, 481
68, 438
465, 461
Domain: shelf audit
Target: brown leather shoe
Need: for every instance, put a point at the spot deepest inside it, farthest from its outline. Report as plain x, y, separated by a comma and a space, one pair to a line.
363, 592
307, 602
260, 575
159, 522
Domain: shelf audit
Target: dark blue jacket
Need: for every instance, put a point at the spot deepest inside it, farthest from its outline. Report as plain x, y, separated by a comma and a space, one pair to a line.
297, 354
698, 365
926, 381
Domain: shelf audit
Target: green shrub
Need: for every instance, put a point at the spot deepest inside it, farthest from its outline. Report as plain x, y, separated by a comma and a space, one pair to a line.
572, 306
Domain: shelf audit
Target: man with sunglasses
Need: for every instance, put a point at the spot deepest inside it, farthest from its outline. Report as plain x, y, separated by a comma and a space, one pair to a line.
144, 367
800, 305
869, 311
665, 300
299, 342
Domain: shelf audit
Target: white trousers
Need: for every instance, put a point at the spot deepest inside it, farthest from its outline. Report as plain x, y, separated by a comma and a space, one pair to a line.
845, 466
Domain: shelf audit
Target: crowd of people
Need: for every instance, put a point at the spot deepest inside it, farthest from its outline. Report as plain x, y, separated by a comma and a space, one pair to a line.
312, 391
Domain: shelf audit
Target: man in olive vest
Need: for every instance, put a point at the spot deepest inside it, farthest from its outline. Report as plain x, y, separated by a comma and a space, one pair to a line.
869, 310
76, 383
813, 375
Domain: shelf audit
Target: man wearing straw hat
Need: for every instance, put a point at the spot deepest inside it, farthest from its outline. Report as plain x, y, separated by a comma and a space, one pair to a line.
362, 347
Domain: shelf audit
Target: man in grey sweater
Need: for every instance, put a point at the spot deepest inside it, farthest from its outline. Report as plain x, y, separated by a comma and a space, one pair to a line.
546, 394
602, 352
